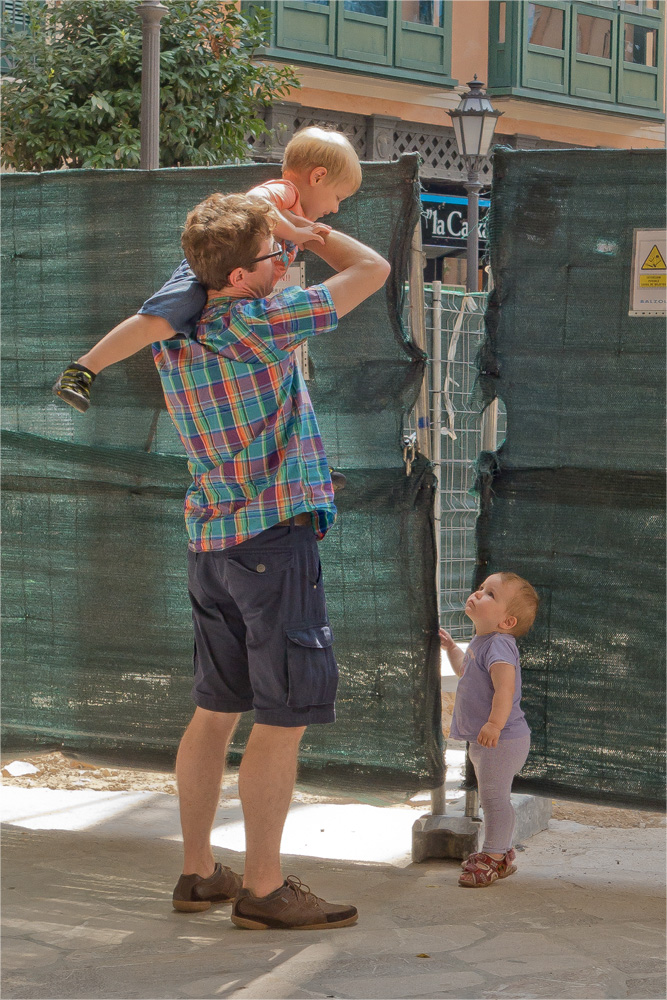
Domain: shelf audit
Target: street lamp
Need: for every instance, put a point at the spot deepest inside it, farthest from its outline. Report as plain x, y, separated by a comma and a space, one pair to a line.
151, 13
474, 121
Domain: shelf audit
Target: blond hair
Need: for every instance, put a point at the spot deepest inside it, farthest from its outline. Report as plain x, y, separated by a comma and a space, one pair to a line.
224, 232
523, 604
323, 147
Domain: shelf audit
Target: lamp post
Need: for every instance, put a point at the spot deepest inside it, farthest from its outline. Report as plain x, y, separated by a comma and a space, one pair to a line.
151, 12
474, 121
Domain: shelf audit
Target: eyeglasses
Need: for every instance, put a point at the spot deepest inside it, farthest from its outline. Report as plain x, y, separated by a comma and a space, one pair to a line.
280, 252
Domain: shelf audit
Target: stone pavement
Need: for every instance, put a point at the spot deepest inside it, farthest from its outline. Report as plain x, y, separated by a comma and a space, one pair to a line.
87, 911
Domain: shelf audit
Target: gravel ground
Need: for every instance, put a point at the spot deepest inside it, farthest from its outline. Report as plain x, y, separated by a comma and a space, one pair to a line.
54, 770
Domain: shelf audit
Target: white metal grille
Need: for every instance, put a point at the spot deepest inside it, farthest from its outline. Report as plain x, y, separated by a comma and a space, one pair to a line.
462, 332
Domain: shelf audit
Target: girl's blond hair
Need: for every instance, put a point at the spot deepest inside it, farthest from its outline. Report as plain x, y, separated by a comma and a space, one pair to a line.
523, 605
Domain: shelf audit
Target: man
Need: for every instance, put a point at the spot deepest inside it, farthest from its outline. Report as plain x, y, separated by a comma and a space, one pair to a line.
260, 499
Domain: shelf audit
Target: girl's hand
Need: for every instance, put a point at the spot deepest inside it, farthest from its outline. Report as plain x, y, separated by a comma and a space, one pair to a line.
446, 641
488, 735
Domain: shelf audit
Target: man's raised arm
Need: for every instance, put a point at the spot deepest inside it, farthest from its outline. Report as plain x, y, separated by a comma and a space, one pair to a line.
361, 271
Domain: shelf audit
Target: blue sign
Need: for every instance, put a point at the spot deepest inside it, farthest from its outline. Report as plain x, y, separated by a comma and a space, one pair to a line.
445, 220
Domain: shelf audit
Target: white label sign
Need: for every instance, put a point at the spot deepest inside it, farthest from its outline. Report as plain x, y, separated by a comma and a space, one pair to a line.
648, 294
296, 275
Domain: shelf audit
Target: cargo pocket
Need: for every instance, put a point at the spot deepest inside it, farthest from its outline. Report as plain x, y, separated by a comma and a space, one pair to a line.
312, 671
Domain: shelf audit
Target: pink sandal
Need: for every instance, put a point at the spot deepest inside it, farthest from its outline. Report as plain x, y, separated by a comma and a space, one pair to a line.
481, 870
510, 856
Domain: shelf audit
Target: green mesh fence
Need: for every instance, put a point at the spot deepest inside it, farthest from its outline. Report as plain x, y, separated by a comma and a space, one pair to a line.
97, 639
574, 498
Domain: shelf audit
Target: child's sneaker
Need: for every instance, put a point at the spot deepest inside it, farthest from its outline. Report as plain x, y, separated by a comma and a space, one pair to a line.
73, 386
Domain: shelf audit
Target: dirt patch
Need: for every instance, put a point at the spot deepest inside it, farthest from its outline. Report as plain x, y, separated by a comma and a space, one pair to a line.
54, 770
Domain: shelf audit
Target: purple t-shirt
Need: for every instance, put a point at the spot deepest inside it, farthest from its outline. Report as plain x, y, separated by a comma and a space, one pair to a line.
474, 693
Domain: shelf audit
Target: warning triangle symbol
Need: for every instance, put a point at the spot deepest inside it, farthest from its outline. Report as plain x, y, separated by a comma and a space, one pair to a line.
655, 260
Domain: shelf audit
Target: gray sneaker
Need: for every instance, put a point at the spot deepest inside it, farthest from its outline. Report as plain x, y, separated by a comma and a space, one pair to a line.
73, 386
193, 893
291, 907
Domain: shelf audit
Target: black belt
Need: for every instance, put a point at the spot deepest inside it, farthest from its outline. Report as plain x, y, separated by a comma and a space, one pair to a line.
297, 519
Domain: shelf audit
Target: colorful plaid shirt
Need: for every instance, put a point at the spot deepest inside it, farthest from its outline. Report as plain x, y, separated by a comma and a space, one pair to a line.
242, 409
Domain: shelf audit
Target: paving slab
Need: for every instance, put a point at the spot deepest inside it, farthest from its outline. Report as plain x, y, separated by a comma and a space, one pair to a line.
88, 877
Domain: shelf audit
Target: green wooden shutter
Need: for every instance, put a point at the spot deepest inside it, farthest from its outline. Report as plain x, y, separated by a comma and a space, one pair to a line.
424, 47
640, 85
504, 44
593, 75
546, 67
306, 26
363, 34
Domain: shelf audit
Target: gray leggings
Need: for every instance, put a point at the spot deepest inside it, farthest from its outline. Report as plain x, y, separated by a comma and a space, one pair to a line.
495, 768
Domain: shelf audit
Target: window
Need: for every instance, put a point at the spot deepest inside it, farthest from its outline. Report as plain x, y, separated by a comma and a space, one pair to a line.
594, 36
607, 55
545, 26
641, 45
13, 14
408, 39
502, 15
640, 6
424, 12
376, 8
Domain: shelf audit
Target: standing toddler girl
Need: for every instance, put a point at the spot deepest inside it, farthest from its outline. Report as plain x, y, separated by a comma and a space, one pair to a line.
487, 713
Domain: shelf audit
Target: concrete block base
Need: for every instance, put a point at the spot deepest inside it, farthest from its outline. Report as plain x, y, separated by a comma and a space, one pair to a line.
456, 835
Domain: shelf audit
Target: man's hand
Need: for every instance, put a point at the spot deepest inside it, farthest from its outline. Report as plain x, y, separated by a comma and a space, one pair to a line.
488, 735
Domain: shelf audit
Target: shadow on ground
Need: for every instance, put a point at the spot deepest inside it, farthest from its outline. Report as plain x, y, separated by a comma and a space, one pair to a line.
87, 915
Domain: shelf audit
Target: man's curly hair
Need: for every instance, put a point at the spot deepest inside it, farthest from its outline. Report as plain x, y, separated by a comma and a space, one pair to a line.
224, 232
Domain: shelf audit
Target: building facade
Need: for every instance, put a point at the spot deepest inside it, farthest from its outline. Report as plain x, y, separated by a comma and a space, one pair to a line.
386, 73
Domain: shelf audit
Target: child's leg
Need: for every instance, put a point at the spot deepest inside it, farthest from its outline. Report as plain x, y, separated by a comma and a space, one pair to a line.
126, 339
495, 768
74, 384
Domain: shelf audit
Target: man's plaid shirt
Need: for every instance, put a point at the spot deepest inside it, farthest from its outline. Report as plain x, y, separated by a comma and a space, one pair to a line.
242, 409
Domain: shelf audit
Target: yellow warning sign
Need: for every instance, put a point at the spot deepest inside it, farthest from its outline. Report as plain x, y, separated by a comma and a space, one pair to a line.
648, 288
654, 261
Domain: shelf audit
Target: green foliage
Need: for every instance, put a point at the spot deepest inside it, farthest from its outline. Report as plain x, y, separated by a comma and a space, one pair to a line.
74, 95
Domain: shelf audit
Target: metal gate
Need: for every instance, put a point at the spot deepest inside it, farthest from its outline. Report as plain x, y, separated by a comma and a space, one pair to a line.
448, 426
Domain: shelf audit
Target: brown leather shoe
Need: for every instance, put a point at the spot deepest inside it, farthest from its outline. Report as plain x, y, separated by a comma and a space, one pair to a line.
291, 907
194, 893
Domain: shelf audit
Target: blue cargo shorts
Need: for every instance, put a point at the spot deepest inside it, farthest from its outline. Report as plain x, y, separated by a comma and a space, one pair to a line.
262, 635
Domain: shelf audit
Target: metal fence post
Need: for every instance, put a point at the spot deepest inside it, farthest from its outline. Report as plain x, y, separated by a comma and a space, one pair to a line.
438, 799
151, 12
418, 330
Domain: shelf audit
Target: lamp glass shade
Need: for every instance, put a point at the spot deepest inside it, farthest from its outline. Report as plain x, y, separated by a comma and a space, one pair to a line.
488, 129
472, 128
458, 132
